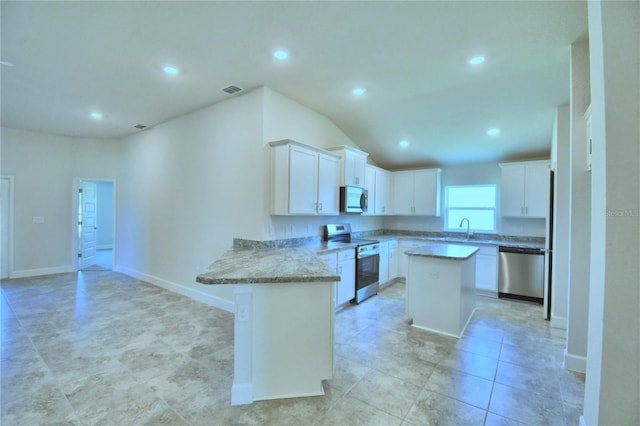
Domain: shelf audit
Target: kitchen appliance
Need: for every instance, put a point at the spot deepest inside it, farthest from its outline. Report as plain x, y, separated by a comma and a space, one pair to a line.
521, 273
353, 199
367, 260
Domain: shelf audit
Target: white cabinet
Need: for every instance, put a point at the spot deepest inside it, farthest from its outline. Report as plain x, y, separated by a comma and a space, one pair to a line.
304, 180
353, 166
589, 139
344, 263
378, 182
394, 257
383, 268
346, 288
524, 189
487, 270
417, 192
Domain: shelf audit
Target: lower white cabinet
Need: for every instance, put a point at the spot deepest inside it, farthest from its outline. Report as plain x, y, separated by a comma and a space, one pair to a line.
487, 270
383, 268
344, 263
394, 256
403, 258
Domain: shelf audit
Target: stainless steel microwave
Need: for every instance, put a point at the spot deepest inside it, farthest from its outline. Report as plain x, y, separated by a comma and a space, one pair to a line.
353, 199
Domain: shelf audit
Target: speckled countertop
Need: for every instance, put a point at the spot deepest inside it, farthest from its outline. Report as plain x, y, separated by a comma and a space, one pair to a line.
445, 251
265, 266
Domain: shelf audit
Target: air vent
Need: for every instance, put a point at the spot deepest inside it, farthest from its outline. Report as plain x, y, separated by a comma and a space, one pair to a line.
232, 90
140, 126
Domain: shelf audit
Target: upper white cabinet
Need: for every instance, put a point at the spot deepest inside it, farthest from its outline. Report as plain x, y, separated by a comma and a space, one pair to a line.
304, 180
378, 182
417, 192
524, 189
354, 165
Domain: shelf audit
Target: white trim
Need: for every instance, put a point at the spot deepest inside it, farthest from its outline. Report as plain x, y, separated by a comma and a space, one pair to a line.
104, 247
198, 295
24, 273
575, 362
582, 421
10, 271
558, 322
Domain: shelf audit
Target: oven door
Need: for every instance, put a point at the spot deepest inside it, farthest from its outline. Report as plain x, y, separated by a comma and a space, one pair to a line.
367, 271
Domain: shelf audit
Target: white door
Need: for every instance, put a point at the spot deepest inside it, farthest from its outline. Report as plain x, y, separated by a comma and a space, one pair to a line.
88, 199
4, 221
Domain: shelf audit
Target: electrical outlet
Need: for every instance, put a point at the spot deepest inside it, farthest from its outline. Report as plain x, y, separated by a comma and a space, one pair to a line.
243, 313
38, 219
272, 230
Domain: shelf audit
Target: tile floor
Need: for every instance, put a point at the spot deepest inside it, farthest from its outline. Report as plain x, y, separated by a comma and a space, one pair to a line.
104, 348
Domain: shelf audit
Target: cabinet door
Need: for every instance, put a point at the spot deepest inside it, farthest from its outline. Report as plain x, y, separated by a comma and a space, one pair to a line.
425, 193
536, 190
403, 193
382, 201
331, 259
512, 191
372, 189
346, 288
384, 262
328, 185
393, 260
486, 272
355, 169
303, 184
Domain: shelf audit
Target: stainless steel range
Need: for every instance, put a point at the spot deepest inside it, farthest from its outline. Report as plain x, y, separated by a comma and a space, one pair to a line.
367, 260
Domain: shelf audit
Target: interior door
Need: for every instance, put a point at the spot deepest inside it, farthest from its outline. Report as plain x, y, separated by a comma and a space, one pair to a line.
88, 200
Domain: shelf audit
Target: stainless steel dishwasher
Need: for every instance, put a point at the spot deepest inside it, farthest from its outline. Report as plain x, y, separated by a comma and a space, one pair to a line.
521, 273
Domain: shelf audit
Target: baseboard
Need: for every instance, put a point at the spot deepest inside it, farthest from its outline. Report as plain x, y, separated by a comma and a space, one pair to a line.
486, 293
575, 362
104, 247
200, 296
25, 273
558, 322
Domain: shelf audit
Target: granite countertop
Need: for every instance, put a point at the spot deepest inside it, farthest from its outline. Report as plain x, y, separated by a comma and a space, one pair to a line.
265, 266
445, 251
509, 242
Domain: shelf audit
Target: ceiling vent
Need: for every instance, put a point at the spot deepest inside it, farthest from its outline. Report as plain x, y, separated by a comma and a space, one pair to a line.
231, 90
140, 126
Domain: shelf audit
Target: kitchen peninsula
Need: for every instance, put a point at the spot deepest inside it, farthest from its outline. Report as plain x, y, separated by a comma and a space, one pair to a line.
441, 287
284, 321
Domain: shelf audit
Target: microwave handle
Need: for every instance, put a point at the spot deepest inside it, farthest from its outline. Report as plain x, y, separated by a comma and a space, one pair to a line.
363, 201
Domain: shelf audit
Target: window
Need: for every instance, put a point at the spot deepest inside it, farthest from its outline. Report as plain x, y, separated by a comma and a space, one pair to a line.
474, 202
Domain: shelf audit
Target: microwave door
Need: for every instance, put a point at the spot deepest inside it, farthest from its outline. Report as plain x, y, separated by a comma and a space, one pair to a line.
364, 201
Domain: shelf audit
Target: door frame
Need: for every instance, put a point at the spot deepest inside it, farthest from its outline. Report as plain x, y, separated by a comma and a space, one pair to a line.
74, 219
11, 179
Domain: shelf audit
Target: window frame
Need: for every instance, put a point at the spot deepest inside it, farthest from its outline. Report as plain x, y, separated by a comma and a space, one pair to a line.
455, 227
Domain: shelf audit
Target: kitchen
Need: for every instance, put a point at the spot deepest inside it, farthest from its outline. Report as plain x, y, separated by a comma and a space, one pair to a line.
166, 245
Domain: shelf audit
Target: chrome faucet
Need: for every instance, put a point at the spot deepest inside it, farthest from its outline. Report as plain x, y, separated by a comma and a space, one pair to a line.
460, 226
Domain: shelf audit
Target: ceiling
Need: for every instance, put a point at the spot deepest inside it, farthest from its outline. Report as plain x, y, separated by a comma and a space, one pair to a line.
72, 58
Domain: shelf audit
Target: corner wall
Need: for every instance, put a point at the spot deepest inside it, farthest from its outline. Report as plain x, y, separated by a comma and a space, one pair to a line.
612, 388
44, 167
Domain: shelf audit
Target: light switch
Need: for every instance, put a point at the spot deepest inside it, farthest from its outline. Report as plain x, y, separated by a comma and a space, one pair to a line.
38, 219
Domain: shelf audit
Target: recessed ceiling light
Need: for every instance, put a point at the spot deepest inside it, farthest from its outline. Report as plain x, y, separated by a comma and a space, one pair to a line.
281, 54
96, 115
170, 69
477, 60
404, 143
358, 91
493, 131
6, 63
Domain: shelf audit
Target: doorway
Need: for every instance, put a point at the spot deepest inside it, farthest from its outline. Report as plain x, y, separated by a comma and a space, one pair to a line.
94, 224
6, 222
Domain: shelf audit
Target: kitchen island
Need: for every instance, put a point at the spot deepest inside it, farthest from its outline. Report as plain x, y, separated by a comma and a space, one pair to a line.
284, 321
441, 287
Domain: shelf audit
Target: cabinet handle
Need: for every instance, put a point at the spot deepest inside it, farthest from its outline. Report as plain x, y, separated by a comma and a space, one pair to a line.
320, 206
357, 180
340, 270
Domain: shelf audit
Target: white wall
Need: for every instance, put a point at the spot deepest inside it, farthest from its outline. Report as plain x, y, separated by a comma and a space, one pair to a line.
187, 188
44, 167
612, 388
580, 212
104, 215
469, 174
562, 222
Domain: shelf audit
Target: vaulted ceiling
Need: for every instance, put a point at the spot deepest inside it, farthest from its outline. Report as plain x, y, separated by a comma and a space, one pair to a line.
64, 60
